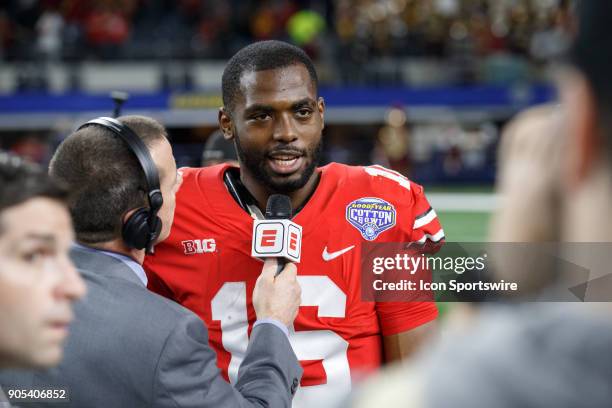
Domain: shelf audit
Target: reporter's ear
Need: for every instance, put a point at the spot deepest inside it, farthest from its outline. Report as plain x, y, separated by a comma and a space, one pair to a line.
578, 101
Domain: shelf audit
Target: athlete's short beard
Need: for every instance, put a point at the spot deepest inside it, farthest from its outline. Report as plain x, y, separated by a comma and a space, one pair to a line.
255, 162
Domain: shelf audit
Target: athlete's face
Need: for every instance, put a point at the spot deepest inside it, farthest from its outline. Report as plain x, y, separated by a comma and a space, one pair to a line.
276, 125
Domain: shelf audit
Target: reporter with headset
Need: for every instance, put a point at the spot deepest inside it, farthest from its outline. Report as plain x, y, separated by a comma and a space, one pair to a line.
129, 347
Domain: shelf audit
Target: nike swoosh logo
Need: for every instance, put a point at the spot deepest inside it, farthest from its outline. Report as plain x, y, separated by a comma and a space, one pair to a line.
328, 257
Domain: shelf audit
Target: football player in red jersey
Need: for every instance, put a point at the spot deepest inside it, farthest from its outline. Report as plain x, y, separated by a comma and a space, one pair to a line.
274, 116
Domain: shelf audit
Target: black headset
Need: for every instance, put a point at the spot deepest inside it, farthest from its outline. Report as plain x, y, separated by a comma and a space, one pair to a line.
144, 226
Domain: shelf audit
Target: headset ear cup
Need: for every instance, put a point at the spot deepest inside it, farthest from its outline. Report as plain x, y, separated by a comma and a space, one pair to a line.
135, 230
156, 200
157, 226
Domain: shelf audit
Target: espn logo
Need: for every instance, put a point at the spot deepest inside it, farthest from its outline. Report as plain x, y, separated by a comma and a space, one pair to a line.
276, 238
199, 246
270, 238
293, 241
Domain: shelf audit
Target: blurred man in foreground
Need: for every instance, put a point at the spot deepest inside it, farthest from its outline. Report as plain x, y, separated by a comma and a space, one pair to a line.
38, 282
130, 347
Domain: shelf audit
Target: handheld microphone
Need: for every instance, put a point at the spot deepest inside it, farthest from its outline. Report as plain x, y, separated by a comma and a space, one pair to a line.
277, 236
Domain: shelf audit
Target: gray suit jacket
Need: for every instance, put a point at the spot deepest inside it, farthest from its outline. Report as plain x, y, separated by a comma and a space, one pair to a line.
3, 400
131, 348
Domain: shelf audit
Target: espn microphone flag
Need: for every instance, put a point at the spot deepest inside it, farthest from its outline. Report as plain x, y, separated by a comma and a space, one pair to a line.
277, 239
277, 236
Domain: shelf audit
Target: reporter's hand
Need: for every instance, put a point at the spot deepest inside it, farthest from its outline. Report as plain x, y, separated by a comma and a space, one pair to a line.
277, 297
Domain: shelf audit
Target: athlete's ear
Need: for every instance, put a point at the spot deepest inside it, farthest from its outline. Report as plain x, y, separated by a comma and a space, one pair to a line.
581, 116
321, 108
225, 123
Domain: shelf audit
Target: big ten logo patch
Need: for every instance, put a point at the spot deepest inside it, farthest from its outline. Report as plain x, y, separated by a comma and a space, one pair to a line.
199, 246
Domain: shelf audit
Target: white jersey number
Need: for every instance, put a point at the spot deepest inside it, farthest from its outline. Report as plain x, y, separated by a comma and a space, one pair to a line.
229, 307
389, 174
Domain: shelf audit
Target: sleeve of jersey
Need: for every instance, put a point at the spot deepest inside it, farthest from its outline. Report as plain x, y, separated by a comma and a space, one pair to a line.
426, 228
398, 317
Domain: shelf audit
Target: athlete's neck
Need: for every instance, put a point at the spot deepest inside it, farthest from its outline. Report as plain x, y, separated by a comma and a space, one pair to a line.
261, 193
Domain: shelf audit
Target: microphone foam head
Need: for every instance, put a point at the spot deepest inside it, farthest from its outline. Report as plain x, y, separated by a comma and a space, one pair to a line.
278, 207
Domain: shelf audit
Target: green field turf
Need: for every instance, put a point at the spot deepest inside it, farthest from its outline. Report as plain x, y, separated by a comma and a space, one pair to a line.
464, 226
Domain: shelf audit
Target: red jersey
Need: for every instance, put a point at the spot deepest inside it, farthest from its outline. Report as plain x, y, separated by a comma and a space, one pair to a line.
206, 266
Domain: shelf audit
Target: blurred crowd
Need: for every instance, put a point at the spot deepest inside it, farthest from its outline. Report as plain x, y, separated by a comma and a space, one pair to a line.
151, 29
347, 33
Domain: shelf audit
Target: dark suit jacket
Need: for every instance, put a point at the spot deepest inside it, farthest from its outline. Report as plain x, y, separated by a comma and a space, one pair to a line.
131, 348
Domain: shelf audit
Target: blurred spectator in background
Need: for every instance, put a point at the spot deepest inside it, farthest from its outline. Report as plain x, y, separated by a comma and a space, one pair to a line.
49, 29
218, 150
392, 143
270, 18
5, 33
107, 28
38, 283
305, 29
32, 147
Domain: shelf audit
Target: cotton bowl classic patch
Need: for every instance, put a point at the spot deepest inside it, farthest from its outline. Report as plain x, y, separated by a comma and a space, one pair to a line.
371, 216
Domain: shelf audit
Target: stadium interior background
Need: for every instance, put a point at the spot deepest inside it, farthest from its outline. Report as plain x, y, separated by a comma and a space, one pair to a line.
420, 86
